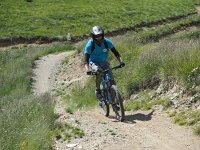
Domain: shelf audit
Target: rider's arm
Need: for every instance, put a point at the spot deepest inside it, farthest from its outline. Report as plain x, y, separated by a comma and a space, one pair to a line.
117, 55
86, 61
87, 53
115, 52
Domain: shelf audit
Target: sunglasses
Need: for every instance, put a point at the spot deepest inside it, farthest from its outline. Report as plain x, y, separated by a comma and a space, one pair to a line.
98, 36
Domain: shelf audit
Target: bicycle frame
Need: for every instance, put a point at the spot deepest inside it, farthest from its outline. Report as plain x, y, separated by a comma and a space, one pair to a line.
111, 95
106, 87
106, 84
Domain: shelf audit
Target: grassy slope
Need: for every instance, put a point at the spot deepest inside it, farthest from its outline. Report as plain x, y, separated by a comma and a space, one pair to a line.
57, 18
174, 57
27, 121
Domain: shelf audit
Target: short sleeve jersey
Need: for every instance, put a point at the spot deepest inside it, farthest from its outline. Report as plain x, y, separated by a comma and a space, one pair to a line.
100, 53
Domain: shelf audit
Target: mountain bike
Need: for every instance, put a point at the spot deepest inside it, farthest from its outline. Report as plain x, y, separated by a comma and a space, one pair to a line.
111, 95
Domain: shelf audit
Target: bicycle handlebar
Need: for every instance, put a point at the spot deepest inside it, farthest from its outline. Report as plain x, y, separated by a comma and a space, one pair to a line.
116, 67
91, 73
104, 71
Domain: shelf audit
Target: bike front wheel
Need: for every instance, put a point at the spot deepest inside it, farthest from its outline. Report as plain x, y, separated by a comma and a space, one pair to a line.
117, 105
104, 108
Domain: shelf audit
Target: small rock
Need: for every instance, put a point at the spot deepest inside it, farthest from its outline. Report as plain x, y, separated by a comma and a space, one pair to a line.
79, 147
71, 145
160, 89
134, 97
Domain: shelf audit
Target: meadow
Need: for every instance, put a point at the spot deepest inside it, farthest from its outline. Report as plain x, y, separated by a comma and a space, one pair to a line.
55, 19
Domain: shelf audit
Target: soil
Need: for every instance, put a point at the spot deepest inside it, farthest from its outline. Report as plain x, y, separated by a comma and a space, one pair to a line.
45, 70
142, 130
198, 9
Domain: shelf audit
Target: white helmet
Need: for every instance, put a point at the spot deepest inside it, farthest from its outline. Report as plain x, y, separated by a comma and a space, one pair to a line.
97, 34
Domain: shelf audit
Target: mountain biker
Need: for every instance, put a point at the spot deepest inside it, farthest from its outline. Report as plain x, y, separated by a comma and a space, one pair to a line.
96, 55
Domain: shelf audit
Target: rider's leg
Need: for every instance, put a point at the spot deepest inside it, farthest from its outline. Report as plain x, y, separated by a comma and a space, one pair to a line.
98, 91
98, 82
93, 66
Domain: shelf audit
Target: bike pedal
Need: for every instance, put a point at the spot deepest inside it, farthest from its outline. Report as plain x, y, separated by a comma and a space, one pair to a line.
100, 101
115, 107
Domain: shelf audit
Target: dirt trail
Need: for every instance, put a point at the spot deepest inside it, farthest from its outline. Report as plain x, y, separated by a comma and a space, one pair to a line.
198, 9
142, 130
45, 70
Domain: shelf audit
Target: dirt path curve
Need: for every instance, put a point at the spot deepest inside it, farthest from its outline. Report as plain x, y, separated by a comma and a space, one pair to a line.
142, 130
45, 70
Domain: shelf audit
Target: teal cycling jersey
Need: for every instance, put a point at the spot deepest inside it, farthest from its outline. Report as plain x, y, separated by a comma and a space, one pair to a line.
100, 53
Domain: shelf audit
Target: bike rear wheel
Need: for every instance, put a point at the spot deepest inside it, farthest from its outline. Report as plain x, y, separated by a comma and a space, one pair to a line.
118, 106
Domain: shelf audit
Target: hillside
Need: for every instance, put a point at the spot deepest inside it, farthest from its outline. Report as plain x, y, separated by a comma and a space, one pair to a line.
141, 129
46, 101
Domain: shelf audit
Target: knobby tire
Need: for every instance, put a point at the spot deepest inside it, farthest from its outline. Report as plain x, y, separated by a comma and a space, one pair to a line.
104, 108
120, 114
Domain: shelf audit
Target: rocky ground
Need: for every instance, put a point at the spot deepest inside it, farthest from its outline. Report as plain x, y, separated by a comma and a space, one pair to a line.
142, 130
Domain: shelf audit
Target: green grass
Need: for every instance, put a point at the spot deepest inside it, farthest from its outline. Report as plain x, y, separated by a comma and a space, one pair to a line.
146, 104
57, 18
69, 110
189, 118
188, 35
27, 121
157, 32
82, 98
197, 2
197, 130
161, 60
172, 114
169, 58
66, 132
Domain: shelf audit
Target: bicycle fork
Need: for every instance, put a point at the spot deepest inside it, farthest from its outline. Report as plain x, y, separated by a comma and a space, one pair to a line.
106, 92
